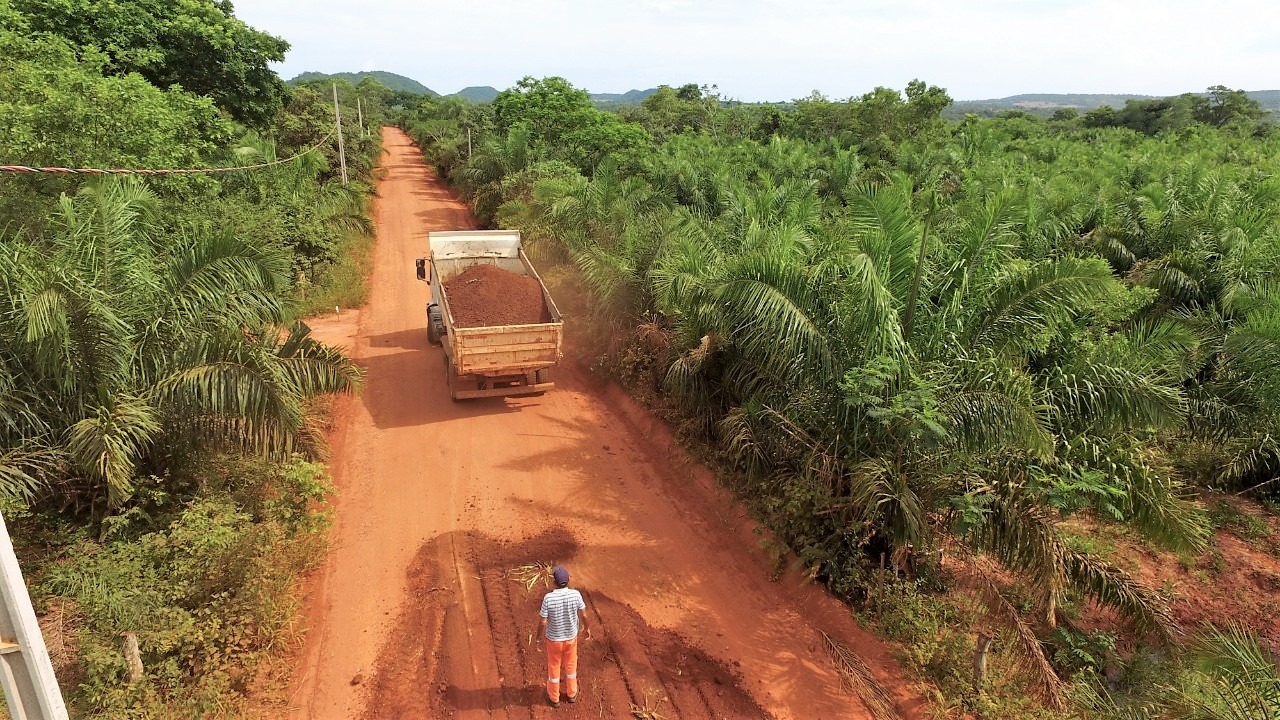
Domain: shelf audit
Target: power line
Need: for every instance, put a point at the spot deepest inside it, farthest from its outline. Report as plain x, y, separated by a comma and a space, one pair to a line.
172, 171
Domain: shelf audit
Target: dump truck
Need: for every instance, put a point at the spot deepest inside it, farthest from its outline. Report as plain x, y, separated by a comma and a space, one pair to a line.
489, 360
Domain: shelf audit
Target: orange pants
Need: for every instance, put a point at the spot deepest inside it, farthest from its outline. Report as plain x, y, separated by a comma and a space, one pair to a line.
566, 651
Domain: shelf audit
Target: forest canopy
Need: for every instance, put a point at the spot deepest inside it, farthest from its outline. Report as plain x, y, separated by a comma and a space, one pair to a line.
199, 45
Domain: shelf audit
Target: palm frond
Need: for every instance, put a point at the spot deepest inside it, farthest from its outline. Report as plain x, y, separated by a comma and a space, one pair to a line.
1233, 678
889, 232
1107, 397
108, 233
883, 492
228, 389
25, 470
109, 444
221, 276
313, 368
1254, 346
993, 405
1021, 536
1116, 589
1159, 508
1161, 346
860, 680
772, 301
1115, 251
741, 433
987, 232
1029, 651
1173, 282
868, 315
1024, 304
229, 392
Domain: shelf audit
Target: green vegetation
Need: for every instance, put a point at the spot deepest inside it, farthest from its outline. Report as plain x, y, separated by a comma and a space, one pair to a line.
123, 351
158, 411
195, 44
202, 569
906, 337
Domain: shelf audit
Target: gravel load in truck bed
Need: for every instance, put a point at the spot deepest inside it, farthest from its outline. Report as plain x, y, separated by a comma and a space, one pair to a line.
485, 295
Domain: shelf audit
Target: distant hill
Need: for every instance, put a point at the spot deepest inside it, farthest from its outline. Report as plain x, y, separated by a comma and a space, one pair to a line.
1035, 103
631, 97
390, 79
1038, 104
485, 93
1268, 99
475, 93
1047, 103
478, 93
1090, 101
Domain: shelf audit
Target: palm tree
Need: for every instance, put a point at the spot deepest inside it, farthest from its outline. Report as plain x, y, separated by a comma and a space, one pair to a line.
1206, 244
957, 430
480, 178
129, 343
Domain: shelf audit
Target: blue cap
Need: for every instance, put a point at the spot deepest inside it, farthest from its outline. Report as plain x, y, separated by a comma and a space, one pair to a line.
561, 575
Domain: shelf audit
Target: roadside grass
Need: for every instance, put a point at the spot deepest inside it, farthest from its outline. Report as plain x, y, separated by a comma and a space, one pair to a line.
1238, 521
343, 283
934, 635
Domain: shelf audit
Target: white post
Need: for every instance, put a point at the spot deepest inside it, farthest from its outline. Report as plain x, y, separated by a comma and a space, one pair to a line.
26, 674
360, 117
342, 153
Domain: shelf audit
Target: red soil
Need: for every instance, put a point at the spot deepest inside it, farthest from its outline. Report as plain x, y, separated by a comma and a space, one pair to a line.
1235, 581
414, 614
486, 295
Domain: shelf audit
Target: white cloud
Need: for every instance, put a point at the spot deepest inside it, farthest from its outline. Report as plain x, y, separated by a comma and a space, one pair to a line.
778, 49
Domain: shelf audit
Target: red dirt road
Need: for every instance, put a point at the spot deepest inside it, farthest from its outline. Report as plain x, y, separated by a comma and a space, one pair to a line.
415, 614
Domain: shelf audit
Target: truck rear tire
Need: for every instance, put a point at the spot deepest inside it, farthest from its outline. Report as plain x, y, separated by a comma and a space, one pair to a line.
537, 377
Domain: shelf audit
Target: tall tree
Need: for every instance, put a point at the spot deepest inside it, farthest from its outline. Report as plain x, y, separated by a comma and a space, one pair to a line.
197, 44
562, 123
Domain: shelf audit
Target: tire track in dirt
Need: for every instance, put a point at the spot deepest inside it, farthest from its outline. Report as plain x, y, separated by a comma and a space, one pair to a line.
629, 665
414, 615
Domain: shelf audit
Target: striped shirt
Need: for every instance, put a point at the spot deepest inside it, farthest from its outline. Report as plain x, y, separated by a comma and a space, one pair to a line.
560, 607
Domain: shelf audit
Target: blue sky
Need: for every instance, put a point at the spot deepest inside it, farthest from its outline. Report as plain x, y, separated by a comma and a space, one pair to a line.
777, 50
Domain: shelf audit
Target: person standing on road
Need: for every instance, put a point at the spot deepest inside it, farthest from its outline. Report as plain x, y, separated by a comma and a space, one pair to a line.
563, 617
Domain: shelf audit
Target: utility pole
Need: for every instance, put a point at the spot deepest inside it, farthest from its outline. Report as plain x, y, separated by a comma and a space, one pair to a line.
468, 143
26, 674
342, 153
360, 117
